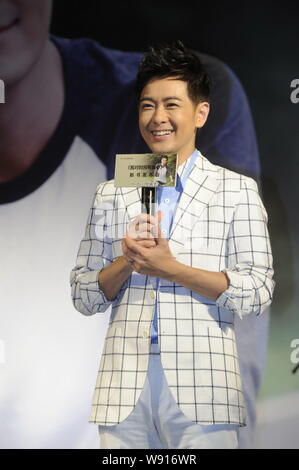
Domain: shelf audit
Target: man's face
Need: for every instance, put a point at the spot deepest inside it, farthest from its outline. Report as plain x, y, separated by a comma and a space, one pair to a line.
24, 28
164, 161
168, 118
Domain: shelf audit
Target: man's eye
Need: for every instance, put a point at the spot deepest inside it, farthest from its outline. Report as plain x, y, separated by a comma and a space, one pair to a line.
172, 105
146, 106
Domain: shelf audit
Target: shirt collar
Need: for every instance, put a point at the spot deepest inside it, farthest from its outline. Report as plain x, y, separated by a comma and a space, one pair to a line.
183, 166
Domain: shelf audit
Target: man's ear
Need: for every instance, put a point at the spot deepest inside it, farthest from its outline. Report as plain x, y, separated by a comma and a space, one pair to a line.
202, 112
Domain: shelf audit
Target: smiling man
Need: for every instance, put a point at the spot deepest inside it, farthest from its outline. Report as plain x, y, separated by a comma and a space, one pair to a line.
169, 374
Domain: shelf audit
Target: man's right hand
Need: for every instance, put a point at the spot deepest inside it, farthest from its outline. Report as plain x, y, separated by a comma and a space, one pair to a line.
144, 229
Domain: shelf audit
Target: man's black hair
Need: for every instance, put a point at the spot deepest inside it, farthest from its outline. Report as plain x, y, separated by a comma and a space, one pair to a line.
175, 60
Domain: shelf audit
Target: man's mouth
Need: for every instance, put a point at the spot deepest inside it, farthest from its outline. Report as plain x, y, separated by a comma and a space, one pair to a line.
161, 133
8, 25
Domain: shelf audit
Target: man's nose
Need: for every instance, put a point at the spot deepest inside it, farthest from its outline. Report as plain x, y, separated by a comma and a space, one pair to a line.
159, 115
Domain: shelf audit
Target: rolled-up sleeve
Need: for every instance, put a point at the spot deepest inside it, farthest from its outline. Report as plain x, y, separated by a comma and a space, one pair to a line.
94, 254
249, 256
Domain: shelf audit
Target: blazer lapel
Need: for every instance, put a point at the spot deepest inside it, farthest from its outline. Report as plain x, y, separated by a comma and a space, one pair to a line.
200, 186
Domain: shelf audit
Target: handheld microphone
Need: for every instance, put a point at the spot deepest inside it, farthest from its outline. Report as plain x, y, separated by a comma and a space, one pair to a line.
148, 197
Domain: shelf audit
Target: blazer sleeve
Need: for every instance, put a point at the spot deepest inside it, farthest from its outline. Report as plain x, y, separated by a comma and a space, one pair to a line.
94, 254
249, 262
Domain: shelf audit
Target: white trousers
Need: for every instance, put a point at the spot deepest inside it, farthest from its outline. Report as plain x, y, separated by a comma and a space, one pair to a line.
158, 423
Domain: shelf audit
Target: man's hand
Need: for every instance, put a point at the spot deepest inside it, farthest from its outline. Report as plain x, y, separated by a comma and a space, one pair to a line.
146, 250
141, 231
144, 227
112, 277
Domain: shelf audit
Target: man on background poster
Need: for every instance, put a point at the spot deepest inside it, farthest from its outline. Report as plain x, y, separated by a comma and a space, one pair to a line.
162, 172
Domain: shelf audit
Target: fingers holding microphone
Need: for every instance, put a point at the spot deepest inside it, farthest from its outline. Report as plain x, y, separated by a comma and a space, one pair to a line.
143, 230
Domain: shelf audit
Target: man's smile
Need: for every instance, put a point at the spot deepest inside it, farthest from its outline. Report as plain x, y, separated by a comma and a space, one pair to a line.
162, 134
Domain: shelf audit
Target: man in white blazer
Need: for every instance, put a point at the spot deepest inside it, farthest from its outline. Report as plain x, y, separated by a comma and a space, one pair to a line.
169, 373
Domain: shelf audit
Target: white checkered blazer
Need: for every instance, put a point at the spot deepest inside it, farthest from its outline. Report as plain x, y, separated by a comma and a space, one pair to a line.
220, 225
